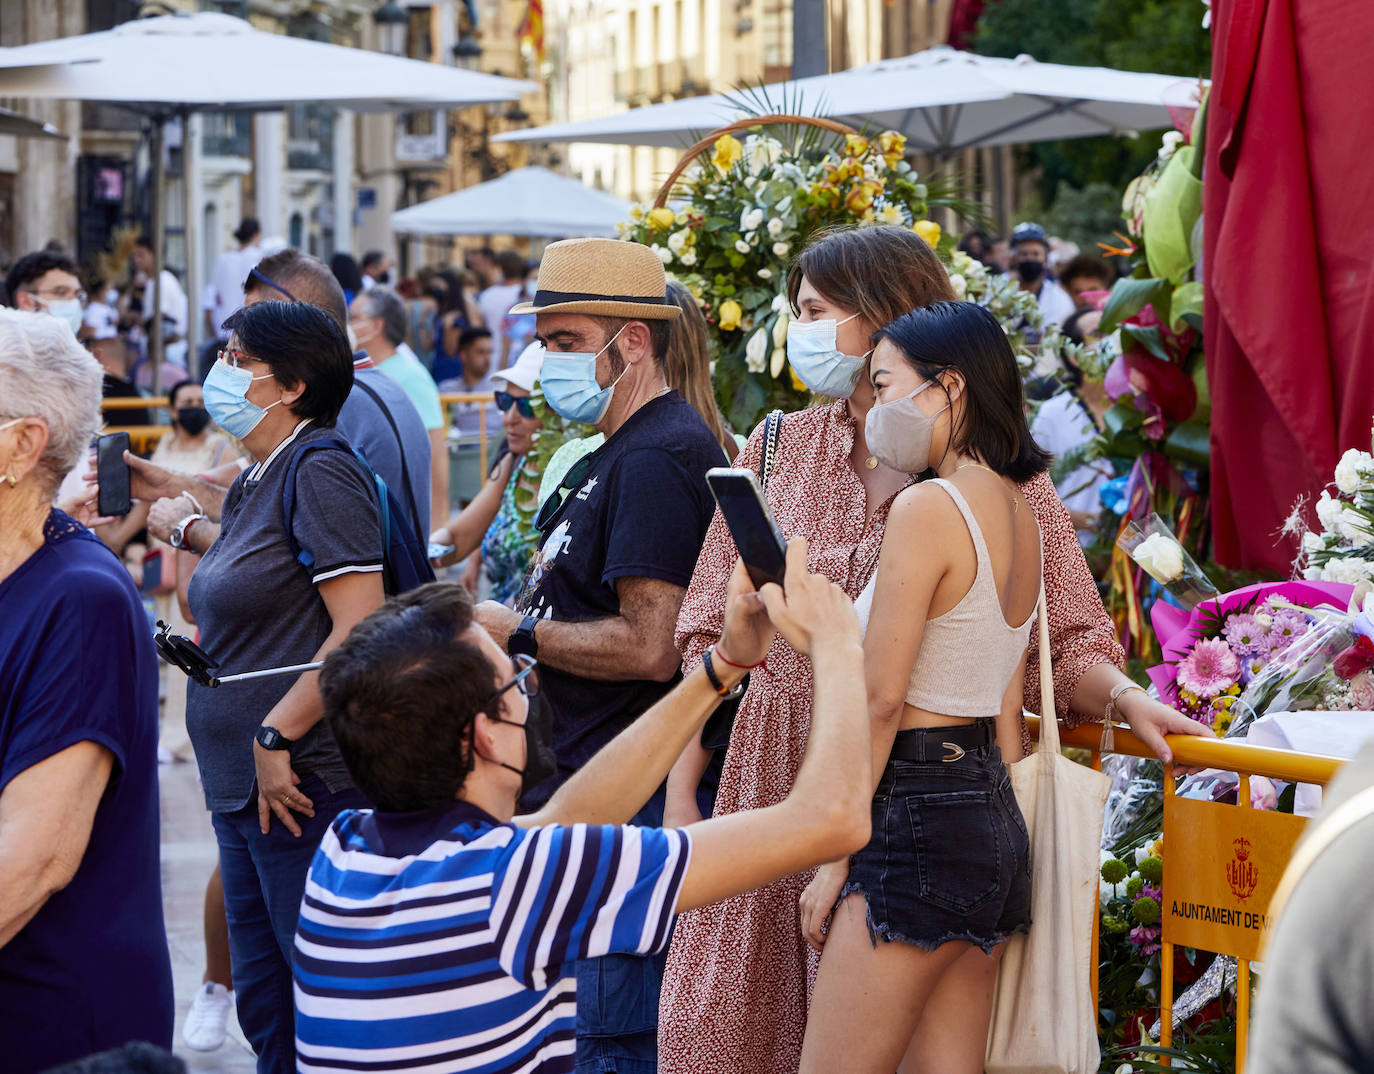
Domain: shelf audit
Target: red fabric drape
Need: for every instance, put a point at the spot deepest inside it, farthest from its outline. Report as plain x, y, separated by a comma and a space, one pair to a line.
1289, 237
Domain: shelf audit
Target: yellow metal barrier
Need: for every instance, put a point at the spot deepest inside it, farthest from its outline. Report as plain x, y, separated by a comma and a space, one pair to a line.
1236, 856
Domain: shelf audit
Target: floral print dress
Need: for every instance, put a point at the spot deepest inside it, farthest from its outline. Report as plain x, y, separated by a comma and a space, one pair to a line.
508, 545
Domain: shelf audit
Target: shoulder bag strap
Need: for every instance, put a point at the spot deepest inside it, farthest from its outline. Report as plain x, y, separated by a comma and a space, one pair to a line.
772, 434
1049, 719
421, 530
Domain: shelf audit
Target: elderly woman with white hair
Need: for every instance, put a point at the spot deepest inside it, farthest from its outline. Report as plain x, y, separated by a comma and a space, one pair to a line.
83, 950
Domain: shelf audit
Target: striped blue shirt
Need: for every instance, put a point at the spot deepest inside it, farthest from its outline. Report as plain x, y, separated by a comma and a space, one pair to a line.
443, 940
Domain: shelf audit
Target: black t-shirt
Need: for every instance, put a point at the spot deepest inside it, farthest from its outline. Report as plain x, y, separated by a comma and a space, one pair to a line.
118, 388
640, 512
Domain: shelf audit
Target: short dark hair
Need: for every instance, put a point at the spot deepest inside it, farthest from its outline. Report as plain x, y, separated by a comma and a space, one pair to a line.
33, 266
248, 227
471, 335
401, 694
383, 302
512, 265
345, 270
486, 251
145, 241
303, 345
1086, 266
965, 337
372, 257
172, 391
304, 279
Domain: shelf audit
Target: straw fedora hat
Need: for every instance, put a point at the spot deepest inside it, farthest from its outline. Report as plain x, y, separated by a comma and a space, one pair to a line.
602, 277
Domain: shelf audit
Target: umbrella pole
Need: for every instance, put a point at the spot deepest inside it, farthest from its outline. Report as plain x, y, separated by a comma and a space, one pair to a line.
159, 139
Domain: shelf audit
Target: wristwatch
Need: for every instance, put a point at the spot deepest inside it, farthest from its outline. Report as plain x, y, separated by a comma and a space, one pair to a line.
269, 738
178, 536
523, 640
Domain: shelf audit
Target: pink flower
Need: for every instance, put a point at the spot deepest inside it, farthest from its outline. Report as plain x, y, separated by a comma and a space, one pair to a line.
1243, 634
1209, 669
1146, 937
1362, 692
1263, 794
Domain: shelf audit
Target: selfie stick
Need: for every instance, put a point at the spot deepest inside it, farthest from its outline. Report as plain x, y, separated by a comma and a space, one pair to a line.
182, 652
267, 673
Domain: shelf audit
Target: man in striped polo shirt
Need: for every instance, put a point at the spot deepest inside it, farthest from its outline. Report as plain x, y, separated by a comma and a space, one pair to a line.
438, 931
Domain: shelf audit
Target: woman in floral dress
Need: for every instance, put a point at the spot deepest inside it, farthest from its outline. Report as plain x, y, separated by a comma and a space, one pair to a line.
736, 987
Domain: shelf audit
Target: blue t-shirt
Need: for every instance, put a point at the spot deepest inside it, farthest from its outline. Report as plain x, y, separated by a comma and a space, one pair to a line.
364, 424
640, 512
90, 971
443, 939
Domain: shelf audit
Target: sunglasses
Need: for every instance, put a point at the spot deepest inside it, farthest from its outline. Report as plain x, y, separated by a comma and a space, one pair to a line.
504, 401
526, 680
574, 477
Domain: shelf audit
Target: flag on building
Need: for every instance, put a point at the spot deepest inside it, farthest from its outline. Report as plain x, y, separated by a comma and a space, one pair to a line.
532, 31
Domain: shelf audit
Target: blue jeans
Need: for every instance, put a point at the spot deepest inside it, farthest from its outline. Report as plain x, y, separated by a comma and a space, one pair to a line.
617, 995
264, 879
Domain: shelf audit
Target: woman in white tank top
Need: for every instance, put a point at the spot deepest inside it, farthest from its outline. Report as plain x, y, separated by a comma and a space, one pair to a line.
945, 879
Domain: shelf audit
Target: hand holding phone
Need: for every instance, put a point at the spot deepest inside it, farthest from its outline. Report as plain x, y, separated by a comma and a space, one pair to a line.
112, 473
757, 536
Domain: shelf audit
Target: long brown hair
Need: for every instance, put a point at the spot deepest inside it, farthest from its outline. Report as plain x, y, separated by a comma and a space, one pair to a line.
879, 272
687, 365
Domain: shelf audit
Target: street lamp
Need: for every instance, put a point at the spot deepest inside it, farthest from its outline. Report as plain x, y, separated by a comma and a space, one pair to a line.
467, 53
393, 22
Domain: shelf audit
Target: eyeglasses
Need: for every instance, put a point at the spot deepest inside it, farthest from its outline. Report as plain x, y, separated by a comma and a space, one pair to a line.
526, 680
574, 477
234, 358
61, 294
504, 401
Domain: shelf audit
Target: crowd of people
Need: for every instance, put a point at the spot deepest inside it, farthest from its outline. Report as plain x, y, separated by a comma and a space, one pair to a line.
490, 834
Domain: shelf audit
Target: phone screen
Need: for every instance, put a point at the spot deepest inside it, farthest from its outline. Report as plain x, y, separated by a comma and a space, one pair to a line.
113, 474
761, 544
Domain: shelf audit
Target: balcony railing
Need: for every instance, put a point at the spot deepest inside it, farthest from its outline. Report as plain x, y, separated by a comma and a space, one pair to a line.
310, 138
227, 134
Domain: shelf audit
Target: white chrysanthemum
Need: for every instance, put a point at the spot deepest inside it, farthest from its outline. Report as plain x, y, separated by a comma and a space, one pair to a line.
765, 274
742, 247
1353, 470
689, 258
664, 254
1329, 512
677, 241
781, 249
775, 227
750, 219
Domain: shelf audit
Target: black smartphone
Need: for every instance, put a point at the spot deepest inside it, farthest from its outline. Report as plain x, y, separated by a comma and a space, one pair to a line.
113, 474
759, 540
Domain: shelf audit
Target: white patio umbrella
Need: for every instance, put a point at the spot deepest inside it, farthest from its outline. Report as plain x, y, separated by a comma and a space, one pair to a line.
942, 99
13, 123
172, 65
532, 202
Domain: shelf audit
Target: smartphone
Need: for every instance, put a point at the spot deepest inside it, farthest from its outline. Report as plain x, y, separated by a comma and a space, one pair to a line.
152, 571
438, 551
759, 540
113, 474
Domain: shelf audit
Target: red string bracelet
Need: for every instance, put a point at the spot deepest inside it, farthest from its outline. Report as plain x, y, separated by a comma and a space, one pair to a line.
726, 660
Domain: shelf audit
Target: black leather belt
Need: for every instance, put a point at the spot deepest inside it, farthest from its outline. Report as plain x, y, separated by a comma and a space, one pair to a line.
930, 744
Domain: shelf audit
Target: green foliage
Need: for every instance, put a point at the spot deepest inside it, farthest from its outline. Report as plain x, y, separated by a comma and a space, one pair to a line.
1159, 36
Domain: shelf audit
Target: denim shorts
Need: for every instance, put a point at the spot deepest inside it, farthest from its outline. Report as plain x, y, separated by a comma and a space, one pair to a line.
949, 858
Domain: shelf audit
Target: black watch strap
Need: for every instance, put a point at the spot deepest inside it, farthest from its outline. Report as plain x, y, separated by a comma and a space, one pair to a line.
523, 641
269, 738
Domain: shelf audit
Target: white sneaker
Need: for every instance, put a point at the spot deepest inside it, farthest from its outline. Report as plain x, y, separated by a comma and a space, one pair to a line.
208, 1019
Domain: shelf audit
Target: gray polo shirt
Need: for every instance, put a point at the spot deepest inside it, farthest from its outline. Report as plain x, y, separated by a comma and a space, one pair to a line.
257, 607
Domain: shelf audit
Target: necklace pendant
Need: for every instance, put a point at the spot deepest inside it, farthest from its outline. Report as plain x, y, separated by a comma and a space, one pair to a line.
871, 462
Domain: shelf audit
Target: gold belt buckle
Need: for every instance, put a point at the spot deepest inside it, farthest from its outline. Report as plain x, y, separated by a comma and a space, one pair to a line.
956, 752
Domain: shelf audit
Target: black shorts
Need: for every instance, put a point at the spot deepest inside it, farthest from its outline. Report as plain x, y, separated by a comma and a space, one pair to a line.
949, 858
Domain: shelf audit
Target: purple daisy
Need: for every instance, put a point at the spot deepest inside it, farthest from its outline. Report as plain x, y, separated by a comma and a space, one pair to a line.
1209, 669
1243, 634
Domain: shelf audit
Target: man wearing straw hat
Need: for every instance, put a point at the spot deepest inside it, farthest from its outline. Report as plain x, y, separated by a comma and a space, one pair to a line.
619, 540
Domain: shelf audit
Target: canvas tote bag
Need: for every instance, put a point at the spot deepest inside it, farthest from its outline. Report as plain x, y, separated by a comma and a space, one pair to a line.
1043, 1019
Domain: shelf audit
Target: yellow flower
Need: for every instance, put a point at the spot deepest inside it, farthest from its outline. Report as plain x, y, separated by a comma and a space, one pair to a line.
728, 152
929, 230
730, 313
856, 145
661, 219
827, 195
890, 214
860, 197
796, 380
636, 212
892, 146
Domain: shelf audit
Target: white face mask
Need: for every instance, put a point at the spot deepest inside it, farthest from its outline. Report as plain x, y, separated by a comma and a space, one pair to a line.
69, 310
899, 433
815, 357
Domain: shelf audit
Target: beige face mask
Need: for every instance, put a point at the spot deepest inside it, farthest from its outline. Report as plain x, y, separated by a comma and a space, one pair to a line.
898, 433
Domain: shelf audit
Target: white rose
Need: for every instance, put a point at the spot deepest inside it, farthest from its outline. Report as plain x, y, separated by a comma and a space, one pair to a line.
756, 351
1161, 557
780, 331
664, 254
742, 247
678, 240
959, 285
774, 228
1352, 468
765, 274
1329, 512
689, 258
750, 219
781, 249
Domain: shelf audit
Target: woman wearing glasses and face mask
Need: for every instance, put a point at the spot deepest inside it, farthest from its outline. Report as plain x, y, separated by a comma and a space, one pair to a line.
491, 520
736, 988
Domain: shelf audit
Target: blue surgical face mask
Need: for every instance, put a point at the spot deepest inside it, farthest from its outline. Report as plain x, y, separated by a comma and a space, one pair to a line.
814, 356
226, 398
571, 388
69, 310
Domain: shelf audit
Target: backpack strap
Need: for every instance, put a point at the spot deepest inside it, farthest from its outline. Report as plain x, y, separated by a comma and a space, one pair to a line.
772, 435
421, 530
288, 497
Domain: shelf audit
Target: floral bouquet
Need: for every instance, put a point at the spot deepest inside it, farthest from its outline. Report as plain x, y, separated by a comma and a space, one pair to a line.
1343, 550
1130, 898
